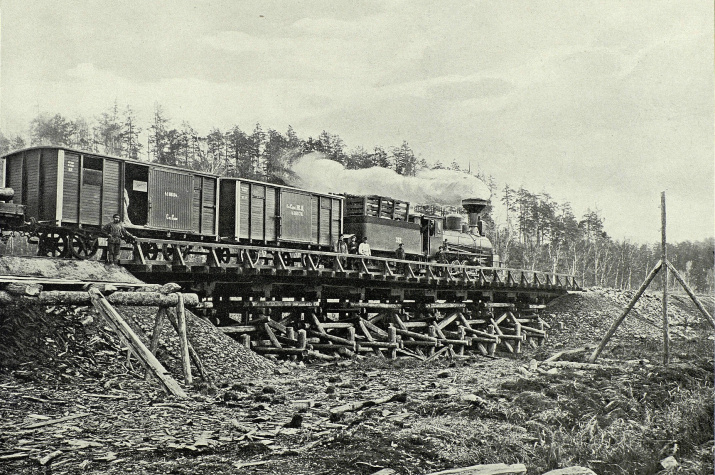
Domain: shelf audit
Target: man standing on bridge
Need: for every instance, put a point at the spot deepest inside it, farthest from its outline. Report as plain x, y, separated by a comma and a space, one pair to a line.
116, 232
364, 248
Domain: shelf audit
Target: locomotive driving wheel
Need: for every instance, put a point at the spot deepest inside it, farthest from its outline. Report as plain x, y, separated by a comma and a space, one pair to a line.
53, 244
82, 246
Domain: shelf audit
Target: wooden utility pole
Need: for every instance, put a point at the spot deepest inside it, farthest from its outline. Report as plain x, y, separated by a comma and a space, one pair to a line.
665, 266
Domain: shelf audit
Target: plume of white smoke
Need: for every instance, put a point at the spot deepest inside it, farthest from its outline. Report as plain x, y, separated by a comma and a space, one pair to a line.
438, 187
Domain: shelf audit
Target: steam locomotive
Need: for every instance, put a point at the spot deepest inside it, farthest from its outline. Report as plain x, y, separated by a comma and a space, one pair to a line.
63, 197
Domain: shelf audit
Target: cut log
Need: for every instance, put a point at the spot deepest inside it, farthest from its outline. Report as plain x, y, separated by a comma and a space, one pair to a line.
280, 351
436, 354
21, 288
415, 335
194, 355
576, 365
320, 356
575, 470
68, 297
575, 351
334, 339
488, 469
374, 328
183, 340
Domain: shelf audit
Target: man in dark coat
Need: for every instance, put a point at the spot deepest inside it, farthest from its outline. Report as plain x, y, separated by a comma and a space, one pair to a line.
116, 232
400, 254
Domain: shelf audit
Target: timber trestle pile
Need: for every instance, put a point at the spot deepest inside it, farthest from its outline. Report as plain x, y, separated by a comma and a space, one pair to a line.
301, 303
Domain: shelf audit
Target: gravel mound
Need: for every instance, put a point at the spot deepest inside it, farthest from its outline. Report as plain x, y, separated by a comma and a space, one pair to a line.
582, 318
224, 359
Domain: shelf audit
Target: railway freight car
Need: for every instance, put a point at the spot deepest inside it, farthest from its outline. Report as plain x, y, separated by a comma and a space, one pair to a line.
268, 214
72, 194
385, 222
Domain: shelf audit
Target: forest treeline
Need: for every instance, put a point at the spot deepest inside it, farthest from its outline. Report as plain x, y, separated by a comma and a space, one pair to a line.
533, 232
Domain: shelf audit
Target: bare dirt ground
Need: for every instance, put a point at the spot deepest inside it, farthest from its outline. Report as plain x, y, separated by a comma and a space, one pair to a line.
70, 402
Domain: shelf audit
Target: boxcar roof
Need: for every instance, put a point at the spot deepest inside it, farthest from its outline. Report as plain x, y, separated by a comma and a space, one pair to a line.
160, 165
114, 157
276, 185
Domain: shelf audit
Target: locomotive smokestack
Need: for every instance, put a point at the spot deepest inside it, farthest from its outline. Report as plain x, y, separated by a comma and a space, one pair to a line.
474, 207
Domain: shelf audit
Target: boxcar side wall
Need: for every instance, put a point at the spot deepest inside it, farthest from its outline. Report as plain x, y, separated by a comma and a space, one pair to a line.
70, 188
295, 216
31, 182
48, 185
227, 209
170, 200
384, 235
112, 190
13, 175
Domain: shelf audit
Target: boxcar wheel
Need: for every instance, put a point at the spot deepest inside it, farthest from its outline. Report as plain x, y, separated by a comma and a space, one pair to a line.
82, 247
53, 244
167, 250
150, 250
223, 254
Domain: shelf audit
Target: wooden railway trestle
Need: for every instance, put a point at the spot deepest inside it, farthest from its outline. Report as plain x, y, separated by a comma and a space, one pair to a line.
298, 303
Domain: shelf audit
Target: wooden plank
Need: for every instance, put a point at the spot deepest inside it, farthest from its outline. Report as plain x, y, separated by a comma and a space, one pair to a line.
375, 305
279, 303
488, 469
37, 425
445, 305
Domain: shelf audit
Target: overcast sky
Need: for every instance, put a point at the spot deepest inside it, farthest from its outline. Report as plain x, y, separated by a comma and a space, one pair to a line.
603, 104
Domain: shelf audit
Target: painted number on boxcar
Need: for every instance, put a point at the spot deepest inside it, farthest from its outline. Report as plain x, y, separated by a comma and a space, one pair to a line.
295, 210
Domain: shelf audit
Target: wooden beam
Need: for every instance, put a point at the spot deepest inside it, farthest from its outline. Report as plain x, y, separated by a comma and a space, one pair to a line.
664, 260
690, 292
183, 340
72, 297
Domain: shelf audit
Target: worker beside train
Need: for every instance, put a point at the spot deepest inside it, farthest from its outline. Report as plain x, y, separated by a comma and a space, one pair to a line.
400, 255
364, 248
117, 232
341, 247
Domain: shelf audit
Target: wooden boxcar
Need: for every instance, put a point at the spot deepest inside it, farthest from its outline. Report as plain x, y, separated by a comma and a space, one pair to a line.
385, 222
78, 189
268, 214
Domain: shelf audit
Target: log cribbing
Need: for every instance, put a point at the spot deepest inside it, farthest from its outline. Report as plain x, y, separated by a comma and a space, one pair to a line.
127, 335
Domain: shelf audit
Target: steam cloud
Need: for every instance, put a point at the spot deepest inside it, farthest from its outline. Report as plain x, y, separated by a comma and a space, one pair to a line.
438, 187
